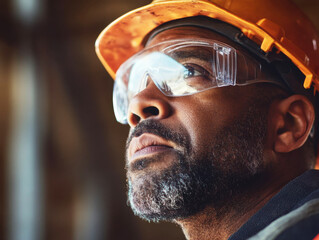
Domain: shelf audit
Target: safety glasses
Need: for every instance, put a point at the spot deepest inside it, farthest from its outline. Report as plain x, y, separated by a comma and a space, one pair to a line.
184, 67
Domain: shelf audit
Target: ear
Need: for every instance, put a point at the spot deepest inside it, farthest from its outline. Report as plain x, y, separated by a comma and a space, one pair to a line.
291, 121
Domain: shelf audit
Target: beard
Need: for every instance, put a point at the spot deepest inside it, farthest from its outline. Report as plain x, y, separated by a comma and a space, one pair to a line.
210, 176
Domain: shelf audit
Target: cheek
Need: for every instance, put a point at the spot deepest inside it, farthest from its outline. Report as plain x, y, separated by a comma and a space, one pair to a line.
204, 114
200, 121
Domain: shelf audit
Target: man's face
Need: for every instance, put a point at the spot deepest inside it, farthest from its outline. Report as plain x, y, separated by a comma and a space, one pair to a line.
185, 153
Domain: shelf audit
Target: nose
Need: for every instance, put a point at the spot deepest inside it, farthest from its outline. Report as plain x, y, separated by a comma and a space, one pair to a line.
149, 103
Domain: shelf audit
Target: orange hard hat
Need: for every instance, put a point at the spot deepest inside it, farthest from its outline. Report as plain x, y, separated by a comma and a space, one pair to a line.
273, 24
269, 23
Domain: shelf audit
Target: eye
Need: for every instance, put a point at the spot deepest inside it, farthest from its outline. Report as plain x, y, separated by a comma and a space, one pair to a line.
197, 76
194, 70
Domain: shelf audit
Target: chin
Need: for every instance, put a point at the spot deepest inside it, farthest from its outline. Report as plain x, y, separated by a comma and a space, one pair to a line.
175, 191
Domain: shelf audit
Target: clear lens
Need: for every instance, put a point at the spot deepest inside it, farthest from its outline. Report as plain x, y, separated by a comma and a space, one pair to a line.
180, 68
120, 102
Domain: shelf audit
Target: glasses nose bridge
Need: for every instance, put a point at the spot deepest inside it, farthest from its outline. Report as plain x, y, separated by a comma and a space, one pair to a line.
148, 103
144, 81
148, 79
146, 89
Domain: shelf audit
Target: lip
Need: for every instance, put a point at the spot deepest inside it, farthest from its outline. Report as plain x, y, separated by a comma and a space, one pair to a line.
147, 144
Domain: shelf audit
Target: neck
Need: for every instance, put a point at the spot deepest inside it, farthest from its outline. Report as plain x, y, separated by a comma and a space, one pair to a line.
218, 224
221, 222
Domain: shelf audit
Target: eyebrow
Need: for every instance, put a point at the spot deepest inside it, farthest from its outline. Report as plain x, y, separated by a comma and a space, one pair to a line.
196, 53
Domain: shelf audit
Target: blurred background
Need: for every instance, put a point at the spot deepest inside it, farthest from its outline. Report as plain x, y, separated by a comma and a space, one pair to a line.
62, 171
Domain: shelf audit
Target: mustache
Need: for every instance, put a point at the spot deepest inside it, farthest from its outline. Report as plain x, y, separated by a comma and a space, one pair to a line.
152, 126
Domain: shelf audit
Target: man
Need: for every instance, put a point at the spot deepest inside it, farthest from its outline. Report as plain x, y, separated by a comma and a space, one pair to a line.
220, 99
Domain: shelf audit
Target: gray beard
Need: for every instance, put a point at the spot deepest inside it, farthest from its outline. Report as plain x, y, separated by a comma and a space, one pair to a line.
199, 179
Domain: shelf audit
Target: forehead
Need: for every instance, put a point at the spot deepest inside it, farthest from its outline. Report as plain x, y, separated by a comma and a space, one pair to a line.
188, 32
